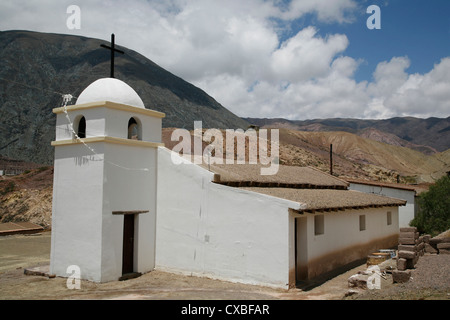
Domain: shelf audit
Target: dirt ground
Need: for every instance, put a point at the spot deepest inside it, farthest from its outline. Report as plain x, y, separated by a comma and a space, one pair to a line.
20, 252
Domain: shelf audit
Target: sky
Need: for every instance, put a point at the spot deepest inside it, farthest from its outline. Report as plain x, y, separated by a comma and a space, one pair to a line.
293, 59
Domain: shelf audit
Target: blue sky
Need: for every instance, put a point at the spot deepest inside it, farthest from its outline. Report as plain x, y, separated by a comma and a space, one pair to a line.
415, 28
297, 59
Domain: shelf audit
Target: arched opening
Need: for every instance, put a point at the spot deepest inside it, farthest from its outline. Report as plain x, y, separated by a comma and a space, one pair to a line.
81, 128
134, 129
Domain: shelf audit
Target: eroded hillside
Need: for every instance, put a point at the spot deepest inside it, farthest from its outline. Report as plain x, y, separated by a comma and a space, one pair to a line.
28, 196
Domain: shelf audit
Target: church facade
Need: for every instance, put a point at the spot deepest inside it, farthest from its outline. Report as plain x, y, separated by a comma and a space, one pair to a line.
122, 206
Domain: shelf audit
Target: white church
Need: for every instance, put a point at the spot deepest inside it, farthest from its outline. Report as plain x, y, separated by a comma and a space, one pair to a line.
122, 207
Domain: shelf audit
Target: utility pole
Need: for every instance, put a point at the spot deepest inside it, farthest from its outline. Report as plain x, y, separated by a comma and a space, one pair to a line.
331, 159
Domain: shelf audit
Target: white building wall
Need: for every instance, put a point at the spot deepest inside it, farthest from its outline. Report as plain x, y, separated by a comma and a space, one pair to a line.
212, 230
95, 123
77, 206
342, 230
117, 125
90, 182
342, 241
406, 213
130, 184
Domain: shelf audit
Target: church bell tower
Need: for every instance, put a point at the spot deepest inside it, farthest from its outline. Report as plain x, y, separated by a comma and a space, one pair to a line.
104, 190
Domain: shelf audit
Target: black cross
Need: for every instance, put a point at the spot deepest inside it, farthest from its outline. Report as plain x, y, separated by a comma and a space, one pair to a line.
113, 49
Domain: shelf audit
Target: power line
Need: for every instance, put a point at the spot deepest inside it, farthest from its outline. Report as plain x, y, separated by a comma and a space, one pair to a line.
65, 96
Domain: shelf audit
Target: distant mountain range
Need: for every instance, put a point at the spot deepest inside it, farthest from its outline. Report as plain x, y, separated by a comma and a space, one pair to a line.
37, 68
428, 136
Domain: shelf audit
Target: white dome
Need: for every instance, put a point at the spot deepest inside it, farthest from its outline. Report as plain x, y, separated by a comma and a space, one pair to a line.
110, 89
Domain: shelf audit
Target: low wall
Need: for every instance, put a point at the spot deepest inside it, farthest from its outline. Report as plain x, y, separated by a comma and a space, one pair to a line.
411, 246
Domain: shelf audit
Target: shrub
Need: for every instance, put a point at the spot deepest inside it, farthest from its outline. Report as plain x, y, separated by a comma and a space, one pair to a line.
433, 216
8, 188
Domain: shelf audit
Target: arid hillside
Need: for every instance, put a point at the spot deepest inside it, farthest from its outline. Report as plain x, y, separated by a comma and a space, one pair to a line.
28, 196
377, 160
353, 156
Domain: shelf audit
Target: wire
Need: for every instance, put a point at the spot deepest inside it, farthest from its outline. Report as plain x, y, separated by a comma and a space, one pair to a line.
36, 88
94, 153
66, 99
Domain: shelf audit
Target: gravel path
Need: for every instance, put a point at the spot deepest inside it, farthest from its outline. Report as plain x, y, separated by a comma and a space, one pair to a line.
429, 280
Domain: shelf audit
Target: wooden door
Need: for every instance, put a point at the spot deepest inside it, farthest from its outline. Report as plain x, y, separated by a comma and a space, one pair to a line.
128, 243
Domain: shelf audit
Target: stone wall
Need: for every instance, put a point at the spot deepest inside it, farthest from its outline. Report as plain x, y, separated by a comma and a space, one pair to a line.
437, 245
411, 247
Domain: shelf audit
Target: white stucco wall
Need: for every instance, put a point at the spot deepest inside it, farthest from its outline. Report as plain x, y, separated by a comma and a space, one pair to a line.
342, 241
95, 123
117, 125
77, 202
212, 230
103, 121
93, 179
342, 230
406, 213
129, 184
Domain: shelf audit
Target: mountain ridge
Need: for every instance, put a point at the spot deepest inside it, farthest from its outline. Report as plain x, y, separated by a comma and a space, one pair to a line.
429, 136
37, 68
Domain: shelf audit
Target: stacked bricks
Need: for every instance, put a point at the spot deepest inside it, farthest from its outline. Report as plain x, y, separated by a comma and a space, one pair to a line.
411, 246
429, 247
437, 245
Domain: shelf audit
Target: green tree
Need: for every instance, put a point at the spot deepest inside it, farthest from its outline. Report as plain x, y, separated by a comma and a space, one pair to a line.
433, 216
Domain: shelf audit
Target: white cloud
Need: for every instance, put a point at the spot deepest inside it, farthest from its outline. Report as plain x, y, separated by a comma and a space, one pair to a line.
327, 11
234, 52
423, 95
306, 56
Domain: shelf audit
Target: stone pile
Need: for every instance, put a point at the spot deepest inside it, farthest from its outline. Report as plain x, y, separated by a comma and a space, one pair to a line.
437, 245
411, 246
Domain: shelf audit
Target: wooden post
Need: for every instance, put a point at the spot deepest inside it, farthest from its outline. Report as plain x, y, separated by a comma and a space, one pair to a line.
331, 159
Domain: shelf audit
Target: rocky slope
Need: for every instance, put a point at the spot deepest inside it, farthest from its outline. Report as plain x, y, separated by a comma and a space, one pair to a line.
28, 196
37, 68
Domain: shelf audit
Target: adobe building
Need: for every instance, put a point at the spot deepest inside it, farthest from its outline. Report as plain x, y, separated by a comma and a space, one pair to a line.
122, 206
231, 223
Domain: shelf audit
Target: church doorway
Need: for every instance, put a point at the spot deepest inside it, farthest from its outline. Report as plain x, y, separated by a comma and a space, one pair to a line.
301, 249
128, 244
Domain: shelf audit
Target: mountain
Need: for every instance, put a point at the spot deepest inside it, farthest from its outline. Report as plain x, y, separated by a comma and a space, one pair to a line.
37, 68
428, 136
358, 157
28, 196
353, 156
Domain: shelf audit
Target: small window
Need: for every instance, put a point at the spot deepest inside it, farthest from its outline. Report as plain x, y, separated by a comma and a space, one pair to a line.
319, 224
362, 222
81, 128
389, 218
133, 129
